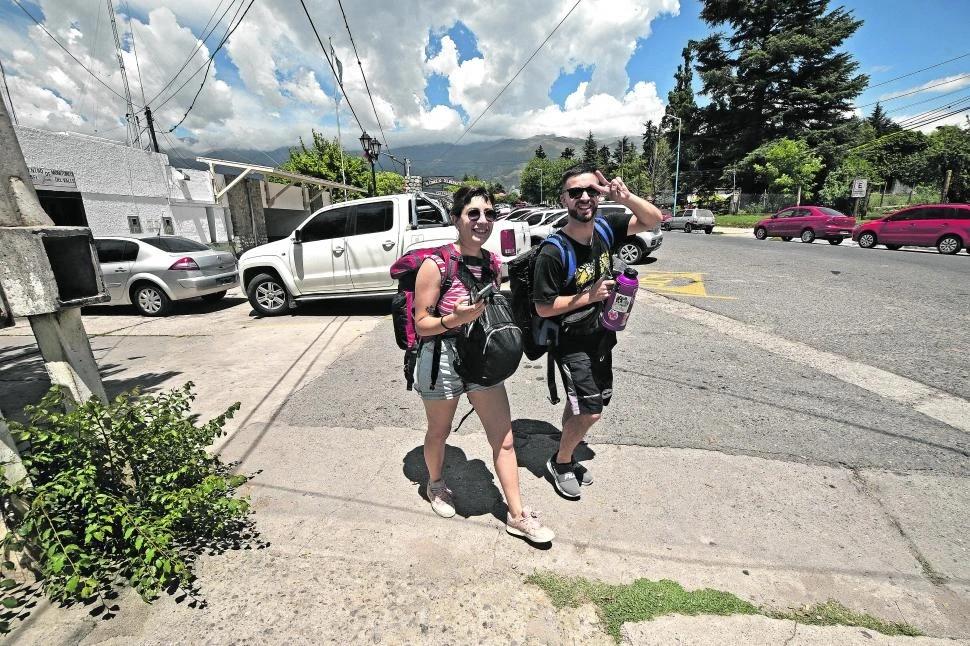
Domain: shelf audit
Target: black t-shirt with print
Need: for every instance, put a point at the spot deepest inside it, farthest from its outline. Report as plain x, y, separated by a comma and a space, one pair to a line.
550, 270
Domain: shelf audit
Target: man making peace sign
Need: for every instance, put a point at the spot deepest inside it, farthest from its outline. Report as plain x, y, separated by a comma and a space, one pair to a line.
584, 349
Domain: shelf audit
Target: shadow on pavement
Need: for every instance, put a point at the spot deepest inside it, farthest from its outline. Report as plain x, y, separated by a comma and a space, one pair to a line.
470, 480
366, 306
536, 442
186, 307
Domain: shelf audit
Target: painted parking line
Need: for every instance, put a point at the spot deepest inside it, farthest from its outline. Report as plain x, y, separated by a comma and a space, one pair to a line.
942, 406
680, 283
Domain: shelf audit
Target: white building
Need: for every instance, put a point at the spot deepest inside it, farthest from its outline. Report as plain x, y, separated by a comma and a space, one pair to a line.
119, 190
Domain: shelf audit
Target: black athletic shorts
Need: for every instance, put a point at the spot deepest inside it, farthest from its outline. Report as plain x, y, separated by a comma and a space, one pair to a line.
586, 368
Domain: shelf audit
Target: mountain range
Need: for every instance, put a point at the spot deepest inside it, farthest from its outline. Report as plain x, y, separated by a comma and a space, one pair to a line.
501, 160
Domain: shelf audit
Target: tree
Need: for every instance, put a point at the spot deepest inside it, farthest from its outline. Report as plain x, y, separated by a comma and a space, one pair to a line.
835, 192
880, 122
784, 166
649, 136
680, 103
949, 150
568, 152
624, 152
322, 160
497, 188
603, 161
777, 73
590, 151
540, 179
389, 182
540, 153
900, 156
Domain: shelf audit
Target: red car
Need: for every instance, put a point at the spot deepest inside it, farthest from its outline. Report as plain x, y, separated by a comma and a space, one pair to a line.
806, 223
944, 226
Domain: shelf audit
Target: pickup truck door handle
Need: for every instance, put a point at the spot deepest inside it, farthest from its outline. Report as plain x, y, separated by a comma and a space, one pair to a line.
388, 245
338, 250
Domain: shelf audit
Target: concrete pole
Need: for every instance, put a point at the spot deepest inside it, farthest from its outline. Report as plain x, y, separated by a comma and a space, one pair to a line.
60, 335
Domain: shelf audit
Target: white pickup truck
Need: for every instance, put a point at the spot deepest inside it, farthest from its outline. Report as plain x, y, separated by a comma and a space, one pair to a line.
691, 220
347, 249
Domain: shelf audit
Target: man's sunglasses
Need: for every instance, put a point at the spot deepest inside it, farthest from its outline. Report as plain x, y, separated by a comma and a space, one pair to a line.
577, 192
475, 214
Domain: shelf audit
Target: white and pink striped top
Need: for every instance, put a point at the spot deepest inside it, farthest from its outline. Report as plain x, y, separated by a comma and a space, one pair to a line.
458, 292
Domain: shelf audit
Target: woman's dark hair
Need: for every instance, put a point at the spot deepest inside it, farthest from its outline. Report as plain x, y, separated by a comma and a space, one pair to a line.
466, 194
573, 171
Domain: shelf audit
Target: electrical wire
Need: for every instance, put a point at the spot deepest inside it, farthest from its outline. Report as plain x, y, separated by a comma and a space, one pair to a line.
134, 50
934, 98
332, 68
68, 52
199, 44
208, 67
208, 62
918, 91
529, 60
902, 76
364, 76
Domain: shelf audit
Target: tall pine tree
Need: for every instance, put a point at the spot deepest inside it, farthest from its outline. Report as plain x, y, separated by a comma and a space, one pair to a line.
540, 153
590, 150
881, 123
776, 73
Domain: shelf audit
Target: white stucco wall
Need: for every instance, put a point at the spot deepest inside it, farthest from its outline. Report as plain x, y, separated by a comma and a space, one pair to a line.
117, 181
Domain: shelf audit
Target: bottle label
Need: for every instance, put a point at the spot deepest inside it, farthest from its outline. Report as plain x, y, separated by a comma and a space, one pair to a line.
622, 303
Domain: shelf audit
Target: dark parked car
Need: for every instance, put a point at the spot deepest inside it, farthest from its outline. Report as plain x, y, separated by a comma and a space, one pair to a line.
944, 226
806, 223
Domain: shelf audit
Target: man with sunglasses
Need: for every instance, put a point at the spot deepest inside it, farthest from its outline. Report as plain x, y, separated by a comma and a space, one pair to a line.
584, 348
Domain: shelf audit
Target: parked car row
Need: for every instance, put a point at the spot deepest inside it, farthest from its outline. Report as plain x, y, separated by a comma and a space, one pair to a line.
944, 226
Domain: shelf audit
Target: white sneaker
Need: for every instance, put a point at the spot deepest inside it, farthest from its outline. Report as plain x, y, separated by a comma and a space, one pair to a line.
529, 527
442, 500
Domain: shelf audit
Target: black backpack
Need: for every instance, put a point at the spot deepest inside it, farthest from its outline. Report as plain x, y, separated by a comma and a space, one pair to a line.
489, 349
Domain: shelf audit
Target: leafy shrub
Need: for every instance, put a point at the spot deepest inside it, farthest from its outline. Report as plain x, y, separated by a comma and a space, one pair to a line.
121, 492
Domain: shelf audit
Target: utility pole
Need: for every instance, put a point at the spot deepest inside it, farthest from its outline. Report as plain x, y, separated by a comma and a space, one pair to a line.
734, 190
336, 101
946, 186
151, 127
134, 128
3, 73
540, 186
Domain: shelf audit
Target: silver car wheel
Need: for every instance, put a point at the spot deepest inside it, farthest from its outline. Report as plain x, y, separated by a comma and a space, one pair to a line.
629, 253
867, 240
949, 246
149, 300
270, 295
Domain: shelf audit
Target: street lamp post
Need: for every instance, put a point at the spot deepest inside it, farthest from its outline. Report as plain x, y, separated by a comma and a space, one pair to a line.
677, 172
372, 149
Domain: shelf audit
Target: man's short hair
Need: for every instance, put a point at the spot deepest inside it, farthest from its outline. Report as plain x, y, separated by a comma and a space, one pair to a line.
573, 171
466, 194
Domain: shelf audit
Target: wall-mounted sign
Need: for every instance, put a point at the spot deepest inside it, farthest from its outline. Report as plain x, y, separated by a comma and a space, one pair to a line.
52, 179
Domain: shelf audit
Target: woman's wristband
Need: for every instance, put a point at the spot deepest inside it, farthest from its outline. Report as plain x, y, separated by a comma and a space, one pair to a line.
442, 321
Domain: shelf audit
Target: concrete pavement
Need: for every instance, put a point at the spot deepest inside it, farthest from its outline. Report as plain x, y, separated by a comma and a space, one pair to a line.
740, 485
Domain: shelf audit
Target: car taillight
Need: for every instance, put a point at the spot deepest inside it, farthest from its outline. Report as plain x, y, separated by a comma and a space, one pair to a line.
184, 264
507, 238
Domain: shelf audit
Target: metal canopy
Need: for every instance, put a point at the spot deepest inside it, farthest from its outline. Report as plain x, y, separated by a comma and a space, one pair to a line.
269, 170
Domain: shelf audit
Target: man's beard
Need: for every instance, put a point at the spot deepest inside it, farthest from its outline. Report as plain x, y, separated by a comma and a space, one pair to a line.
576, 215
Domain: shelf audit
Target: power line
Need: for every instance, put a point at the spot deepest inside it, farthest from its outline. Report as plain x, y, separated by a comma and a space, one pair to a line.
364, 76
902, 76
929, 113
332, 68
529, 60
933, 98
917, 91
208, 67
208, 62
68, 52
134, 50
198, 46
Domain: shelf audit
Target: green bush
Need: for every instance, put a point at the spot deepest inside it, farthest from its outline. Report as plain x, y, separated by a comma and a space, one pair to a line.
124, 492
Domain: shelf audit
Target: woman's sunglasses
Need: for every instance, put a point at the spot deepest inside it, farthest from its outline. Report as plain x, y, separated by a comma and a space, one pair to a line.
577, 192
475, 214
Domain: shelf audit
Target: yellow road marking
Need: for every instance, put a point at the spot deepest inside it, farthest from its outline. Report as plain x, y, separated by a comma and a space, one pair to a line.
682, 283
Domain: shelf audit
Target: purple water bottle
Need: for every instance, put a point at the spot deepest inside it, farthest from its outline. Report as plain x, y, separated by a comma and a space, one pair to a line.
617, 308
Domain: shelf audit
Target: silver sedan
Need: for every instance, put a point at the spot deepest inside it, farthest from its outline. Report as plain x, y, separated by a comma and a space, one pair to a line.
151, 273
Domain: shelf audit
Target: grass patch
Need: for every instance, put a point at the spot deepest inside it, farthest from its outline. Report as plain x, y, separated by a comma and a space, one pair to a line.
739, 221
644, 600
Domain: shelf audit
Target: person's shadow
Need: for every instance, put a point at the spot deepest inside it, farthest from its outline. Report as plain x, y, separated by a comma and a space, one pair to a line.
471, 481
536, 442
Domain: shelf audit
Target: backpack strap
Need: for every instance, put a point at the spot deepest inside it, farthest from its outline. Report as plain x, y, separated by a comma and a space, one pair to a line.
435, 360
451, 261
603, 228
566, 254
551, 379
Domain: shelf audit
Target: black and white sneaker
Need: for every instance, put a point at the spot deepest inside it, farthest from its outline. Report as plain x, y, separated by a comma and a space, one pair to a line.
582, 474
565, 483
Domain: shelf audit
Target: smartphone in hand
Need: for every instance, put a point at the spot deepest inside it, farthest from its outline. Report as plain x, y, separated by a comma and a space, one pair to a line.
483, 293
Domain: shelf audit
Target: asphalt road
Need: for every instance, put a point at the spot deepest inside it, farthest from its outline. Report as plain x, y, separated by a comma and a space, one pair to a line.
683, 384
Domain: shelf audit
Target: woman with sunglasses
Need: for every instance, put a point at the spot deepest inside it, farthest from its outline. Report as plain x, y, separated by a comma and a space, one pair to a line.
445, 314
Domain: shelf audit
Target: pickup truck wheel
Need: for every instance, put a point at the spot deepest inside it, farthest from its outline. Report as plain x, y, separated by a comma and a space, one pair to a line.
630, 252
786, 238
267, 295
761, 233
836, 240
808, 236
688, 228
150, 300
708, 230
